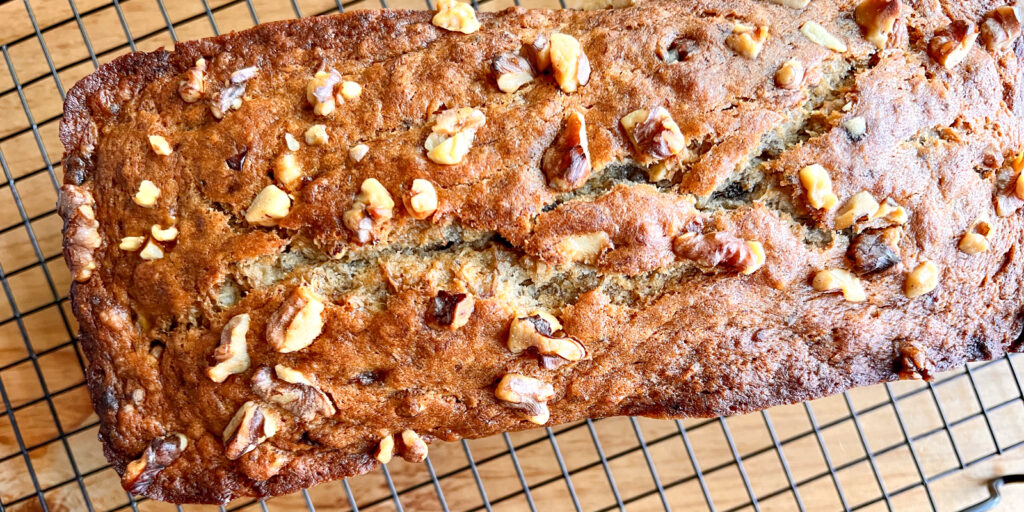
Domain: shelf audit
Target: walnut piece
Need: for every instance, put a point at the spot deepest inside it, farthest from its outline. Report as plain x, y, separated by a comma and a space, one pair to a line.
81, 230
451, 310
161, 452
818, 186
874, 251
653, 132
160, 145
456, 17
721, 249
914, 364
163, 234
856, 128
790, 75
568, 61
147, 194
320, 92
877, 19
131, 243
291, 142
747, 40
192, 88
316, 135
861, 206
297, 321
794, 4
892, 212
232, 355
287, 171
230, 97
422, 199
415, 448
567, 162
249, 427
151, 251
385, 449
358, 152
271, 205
292, 391
822, 37
922, 280
511, 71
584, 248
539, 53
543, 332
840, 280
1000, 28
372, 206
452, 135
975, 241
950, 46
1018, 183
528, 394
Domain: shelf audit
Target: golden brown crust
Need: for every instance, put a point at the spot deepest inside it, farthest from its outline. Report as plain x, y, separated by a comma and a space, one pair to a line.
664, 333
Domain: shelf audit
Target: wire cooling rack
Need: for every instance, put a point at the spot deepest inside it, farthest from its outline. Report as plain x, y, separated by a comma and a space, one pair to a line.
900, 446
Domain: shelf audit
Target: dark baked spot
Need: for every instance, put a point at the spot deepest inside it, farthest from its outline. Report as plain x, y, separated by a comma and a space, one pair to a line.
369, 377
870, 254
236, 161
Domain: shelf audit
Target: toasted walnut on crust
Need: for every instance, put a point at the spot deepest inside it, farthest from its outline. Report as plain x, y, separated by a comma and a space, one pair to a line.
1000, 28
385, 449
292, 391
653, 132
297, 321
511, 71
250, 426
790, 75
567, 162
452, 135
159, 145
192, 88
877, 18
414, 448
568, 61
232, 355
421, 202
840, 280
271, 205
147, 194
151, 251
162, 234
818, 186
975, 241
81, 230
230, 97
451, 310
861, 205
913, 364
160, 453
721, 249
584, 247
320, 92
794, 4
874, 251
820, 36
316, 135
456, 16
287, 171
922, 280
543, 332
373, 206
950, 46
527, 394
747, 40
539, 53
131, 243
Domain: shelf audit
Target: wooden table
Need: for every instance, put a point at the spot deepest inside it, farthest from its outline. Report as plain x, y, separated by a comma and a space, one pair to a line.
37, 283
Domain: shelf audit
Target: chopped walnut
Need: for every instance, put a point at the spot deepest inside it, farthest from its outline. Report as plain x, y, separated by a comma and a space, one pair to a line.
861, 206
81, 230
567, 162
161, 452
1000, 28
950, 46
249, 427
794, 4
163, 234
840, 280
160, 145
527, 394
372, 206
747, 40
922, 280
543, 333
131, 243
877, 19
822, 37
539, 53
818, 185
892, 212
415, 448
914, 364
385, 449
232, 355
874, 251
654, 133
292, 391
451, 310
316, 135
790, 75
421, 200
1018, 183
511, 71
584, 248
358, 152
456, 17
452, 135
147, 194
151, 251
720, 249
975, 241
287, 171
856, 128
230, 98
271, 205
192, 88
350, 90
570, 64
320, 92
297, 321
291, 142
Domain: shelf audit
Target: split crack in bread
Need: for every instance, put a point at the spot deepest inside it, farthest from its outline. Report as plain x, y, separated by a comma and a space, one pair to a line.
283, 278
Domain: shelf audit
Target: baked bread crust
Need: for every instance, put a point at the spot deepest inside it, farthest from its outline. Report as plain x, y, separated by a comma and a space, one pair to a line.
668, 323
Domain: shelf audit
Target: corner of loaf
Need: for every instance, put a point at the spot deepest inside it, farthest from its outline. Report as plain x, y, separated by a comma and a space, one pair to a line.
304, 249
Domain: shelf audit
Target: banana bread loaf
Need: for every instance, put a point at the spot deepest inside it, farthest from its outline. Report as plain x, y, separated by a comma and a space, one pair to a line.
303, 248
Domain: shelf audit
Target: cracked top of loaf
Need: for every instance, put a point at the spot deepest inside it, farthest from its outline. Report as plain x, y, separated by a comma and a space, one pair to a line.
302, 248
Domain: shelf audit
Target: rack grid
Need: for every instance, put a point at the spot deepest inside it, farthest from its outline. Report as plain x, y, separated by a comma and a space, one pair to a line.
896, 446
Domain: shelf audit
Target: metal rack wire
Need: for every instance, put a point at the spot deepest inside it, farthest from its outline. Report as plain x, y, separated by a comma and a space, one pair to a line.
990, 418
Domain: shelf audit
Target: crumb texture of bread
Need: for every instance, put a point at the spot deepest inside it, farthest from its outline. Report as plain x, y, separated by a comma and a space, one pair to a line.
303, 248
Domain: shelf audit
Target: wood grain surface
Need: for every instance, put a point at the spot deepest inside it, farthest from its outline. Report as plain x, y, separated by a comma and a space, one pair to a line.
48, 430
